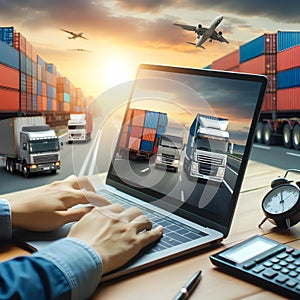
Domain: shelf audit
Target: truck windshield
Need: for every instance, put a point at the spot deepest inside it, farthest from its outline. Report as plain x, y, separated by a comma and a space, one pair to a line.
212, 145
175, 143
43, 145
76, 127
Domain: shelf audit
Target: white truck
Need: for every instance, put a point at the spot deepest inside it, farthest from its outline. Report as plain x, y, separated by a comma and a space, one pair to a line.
29, 145
206, 149
79, 127
169, 149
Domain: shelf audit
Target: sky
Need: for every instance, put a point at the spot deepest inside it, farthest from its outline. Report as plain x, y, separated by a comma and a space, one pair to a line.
124, 33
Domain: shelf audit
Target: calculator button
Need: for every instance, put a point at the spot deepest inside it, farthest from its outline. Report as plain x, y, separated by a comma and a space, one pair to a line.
275, 260
258, 269
296, 254
297, 263
291, 267
270, 273
276, 267
283, 263
285, 270
293, 274
268, 264
290, 259
291, 283
298, 287
289, 250
282, 255
249, 265
281, 278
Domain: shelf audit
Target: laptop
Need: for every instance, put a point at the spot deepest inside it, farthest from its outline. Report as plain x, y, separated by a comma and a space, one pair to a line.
181, 156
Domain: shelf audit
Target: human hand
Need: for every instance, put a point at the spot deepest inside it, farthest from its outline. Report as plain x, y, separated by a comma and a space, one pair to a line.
116, 233
49, 207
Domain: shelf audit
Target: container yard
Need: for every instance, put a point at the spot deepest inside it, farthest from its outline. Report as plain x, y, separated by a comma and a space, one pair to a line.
276, 55
31, 86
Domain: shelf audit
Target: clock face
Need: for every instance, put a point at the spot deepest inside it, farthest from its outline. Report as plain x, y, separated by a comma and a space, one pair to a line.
281, 199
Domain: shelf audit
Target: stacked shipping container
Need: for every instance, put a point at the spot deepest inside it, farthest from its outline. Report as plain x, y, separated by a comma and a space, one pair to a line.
141, 131
28, 84
276, 55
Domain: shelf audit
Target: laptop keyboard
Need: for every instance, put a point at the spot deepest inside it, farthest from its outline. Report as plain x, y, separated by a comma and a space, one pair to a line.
175, 233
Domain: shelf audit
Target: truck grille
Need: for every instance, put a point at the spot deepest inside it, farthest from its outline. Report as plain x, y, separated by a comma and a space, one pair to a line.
209, 160
168, 159
45, 158
208, 170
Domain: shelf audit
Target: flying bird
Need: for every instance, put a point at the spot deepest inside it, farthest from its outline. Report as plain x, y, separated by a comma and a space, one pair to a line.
74, 35
204, 33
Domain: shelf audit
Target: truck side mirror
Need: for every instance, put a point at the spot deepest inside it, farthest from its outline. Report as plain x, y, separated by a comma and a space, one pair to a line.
25, 146
61, 143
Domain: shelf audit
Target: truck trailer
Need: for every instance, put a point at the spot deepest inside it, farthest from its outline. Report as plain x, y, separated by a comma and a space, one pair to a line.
80, 128
169, 150
206, 149
140, 133
29, 145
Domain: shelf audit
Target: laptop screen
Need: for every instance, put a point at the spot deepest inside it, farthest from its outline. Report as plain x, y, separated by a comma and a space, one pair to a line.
185, 140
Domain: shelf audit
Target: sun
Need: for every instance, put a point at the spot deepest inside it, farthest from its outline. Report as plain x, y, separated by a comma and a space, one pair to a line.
117, 72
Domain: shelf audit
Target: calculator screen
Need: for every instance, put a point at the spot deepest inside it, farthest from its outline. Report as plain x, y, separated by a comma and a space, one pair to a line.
248, 250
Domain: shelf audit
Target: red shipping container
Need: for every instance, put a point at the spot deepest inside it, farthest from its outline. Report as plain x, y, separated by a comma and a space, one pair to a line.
136, 132
128, 117
28, 84
39, 99
270, 102
288, 99
23, 101
149, 134
123, 140
9, 77
138, 117
270, 43
288, 59
28, 102
134, 143
272, 83
20, 42
9, 100
263, 64
235, 69
227, 62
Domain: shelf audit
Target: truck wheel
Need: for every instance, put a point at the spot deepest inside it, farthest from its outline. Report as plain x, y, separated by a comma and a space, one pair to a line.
26, 171
267, 134
259, 133
287, 136
12, 167
7, 164
296, 137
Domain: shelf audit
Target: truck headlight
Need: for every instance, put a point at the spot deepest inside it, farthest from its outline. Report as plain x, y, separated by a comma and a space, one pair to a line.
158, 158
221, 172
57, 163
194, 167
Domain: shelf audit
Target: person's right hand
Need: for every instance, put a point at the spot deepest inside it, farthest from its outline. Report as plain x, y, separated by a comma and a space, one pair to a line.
116, 233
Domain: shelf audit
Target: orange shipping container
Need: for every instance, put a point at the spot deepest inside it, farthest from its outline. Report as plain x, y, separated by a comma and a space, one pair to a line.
54, 106
44, 103
134, 143
66, 107
136, 131
138, 117
60, 97
39, 99
288, 59
123, 140
288, 99
149, 134
9, 100
9, 77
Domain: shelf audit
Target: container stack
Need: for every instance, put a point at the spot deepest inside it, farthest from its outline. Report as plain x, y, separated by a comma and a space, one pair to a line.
288, 67
30, 85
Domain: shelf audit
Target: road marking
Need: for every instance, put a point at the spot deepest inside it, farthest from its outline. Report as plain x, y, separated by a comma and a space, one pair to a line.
262, 147
180, 178
182, 195
145, 170
232, 170
228, 187
293, 154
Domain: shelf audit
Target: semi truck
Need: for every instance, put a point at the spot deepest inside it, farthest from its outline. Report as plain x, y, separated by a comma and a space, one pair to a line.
140, 133
169, 150
79, 128
206, 149
29, 145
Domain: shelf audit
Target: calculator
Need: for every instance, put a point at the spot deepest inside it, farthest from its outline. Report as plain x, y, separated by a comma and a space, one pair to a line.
265, 262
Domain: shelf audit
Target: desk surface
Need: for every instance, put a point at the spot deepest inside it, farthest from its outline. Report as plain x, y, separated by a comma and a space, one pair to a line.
164, 282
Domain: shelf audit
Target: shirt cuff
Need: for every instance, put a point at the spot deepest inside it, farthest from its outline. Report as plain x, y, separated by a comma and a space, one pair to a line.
81, 265
5, 220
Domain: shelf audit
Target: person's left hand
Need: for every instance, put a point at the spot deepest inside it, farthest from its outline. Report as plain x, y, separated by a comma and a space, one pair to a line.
49, 207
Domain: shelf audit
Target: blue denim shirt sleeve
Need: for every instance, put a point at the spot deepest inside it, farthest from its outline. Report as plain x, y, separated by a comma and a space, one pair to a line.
80, 264
5, 220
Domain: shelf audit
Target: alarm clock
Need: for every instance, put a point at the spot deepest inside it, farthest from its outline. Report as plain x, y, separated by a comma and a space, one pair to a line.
281, 205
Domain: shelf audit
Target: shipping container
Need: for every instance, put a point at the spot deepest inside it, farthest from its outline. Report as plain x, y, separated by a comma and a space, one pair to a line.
288, 59
288, 99
270, 102
9, 56
9, 100
227, 62
19, 42
7, 35
9, 77
289, 78
288, 39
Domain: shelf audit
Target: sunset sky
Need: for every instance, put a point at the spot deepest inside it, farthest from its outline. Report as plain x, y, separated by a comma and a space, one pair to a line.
124, 33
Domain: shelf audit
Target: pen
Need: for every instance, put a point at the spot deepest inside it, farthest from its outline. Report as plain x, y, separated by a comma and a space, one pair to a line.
189, 287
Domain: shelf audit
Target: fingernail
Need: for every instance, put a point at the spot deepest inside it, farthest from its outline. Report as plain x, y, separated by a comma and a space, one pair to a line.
160, 228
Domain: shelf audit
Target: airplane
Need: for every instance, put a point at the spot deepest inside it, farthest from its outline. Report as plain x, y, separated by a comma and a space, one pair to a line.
204, 33
74, 35
80, 49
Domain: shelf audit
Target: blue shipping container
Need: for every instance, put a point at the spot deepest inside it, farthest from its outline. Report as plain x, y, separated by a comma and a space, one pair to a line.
28, 66
9, 56
22, 62
146, 146
39, 88
163, 119
23, 82
287, 39
49, 91
151, 119
34, 102
66, 98
41, 62
252, 49
288, 79
49, 104
208, 67
161, 129
7, 35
